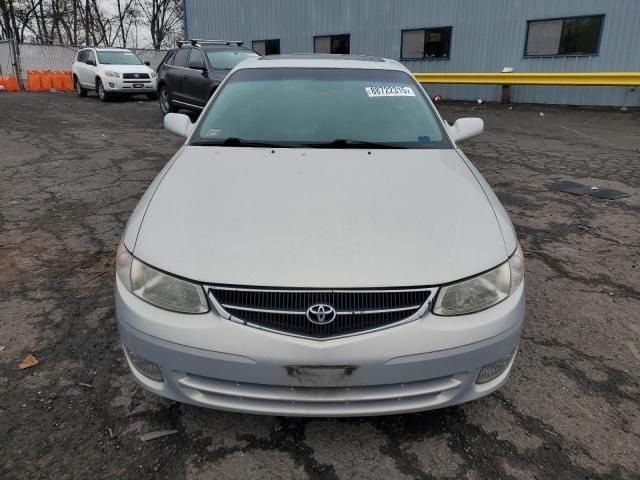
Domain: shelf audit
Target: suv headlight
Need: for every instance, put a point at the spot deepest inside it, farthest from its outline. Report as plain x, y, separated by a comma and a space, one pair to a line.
112, 74
484, 291
158, 288
153, 75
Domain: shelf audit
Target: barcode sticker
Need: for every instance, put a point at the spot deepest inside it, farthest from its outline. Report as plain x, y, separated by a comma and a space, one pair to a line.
391, 91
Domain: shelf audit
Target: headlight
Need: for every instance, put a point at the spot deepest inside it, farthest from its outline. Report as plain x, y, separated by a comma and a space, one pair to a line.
158, 288
154, 75
111, 74
483, 291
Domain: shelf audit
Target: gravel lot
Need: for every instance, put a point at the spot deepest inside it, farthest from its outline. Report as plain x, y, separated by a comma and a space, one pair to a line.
71, 171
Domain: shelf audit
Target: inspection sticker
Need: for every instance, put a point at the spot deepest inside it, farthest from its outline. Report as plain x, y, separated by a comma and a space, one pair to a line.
390, 91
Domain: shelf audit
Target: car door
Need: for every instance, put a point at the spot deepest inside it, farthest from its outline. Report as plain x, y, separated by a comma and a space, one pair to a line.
177, 73
196, 81
88, 70
79, 65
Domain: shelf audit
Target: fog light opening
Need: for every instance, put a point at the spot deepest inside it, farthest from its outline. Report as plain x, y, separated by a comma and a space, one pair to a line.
146, 367
493, 370
112, 85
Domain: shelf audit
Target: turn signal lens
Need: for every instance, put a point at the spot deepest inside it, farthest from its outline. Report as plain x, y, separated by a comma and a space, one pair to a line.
516, 264
123, 265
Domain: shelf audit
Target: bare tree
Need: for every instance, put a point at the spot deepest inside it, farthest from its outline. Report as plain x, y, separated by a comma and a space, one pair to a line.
5, 22
95, 22
163, 17
9, 21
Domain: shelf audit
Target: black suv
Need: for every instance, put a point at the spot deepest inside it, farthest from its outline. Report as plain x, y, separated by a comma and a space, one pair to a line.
189, 74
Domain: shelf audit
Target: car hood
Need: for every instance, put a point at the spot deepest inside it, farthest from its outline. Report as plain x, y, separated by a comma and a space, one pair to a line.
127, 68
320, 218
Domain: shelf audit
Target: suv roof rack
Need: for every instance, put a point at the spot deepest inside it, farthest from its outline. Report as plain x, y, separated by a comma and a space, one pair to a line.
102, 47
201, 41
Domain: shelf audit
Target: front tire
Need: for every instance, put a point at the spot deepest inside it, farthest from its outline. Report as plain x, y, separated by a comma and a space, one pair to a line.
80, 90
165, 103
102, 94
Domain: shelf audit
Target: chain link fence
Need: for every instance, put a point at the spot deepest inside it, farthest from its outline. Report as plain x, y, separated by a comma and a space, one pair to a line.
35, 56
6, 61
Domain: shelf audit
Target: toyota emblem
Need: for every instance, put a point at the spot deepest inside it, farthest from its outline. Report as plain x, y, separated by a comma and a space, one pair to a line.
321, 314
136, 75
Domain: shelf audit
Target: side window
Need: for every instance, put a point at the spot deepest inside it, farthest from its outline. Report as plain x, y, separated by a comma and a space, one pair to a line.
564, 36
196, 60
339, 44
426, 43
168, 60
266, 47
82, 56
182, 58
91, 55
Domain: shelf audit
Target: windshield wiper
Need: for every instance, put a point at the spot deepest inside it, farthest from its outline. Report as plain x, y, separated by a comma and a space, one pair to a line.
349, 143
240, 142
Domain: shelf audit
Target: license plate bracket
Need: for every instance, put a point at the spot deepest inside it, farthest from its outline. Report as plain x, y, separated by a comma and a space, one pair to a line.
321, 375
138, 85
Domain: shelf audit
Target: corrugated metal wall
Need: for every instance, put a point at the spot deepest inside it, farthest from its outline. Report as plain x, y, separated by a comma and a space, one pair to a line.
487, 36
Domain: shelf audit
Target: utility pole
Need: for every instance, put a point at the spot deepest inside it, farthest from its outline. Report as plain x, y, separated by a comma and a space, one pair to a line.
75, 22
87, 22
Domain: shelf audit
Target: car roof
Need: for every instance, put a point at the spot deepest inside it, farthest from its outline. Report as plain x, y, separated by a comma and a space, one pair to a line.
318, 60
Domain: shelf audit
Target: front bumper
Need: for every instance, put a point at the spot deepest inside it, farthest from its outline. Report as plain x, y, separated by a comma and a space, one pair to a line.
216, 363
120, 85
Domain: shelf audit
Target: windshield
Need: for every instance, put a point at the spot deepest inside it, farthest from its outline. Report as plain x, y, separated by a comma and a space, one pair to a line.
340, 108
119, 58
228, 59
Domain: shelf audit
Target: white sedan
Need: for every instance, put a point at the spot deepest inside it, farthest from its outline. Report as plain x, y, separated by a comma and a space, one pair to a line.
320, 246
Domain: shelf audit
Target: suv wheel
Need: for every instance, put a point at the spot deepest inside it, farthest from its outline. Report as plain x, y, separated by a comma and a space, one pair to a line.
165, 103
104, 96
82, 92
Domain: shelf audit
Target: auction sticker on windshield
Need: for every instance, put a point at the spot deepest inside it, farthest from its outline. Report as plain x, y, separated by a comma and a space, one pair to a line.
391, 91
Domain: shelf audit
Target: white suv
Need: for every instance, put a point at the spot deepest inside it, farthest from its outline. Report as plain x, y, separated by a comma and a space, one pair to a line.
113, 71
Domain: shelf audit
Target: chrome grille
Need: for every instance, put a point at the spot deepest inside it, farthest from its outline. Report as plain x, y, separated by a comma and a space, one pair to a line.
285, 310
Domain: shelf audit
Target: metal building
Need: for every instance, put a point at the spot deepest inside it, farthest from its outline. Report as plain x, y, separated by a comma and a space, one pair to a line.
447, 36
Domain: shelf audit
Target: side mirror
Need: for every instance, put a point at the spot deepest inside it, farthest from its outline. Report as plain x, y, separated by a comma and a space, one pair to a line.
465, 128
197, 65
91, 62
148, 64
178, 123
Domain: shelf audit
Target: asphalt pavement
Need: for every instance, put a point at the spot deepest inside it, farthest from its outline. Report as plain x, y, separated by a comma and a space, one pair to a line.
72, 170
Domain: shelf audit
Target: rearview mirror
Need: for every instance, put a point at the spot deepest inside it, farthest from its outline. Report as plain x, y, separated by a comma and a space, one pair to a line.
465, 128
178, 123
148, 64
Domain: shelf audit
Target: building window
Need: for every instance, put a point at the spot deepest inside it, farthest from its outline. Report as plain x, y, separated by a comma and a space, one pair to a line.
266, 47
564, 36
426, 43
332, 44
